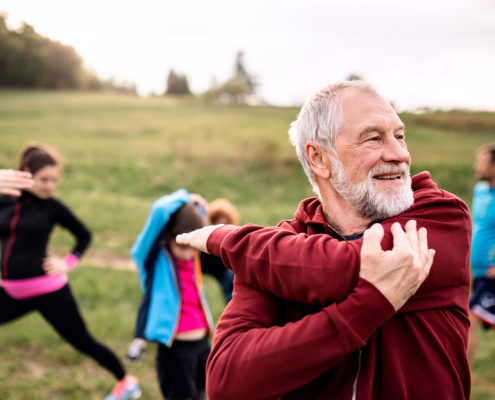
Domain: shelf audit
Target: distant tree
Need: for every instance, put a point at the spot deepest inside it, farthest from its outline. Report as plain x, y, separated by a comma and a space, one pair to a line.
241, 74
354, 77
237, 89
177, 84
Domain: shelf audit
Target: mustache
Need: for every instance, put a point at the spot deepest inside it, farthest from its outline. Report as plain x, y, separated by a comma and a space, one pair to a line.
387, 169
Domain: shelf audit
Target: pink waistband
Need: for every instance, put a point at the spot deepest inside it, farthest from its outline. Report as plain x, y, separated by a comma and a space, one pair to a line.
21, 289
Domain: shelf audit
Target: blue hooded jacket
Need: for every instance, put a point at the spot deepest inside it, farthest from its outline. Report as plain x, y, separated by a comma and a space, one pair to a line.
161, 306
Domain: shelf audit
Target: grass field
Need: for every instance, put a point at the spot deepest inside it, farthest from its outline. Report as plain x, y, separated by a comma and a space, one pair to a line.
124, 152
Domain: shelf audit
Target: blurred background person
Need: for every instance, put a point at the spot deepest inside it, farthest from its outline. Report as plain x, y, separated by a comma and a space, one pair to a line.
482, 303
173, 312
31, 281
220, 211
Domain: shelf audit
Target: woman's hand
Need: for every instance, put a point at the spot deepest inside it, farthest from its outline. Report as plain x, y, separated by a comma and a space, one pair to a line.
52, 265
490, 272
195, 198
11, 181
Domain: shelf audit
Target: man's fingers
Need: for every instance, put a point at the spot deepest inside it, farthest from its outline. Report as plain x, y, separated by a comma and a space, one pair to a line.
189, 238
412, 235
184, 238
423, 244
372, 238
401, 240
198, 238
429, 263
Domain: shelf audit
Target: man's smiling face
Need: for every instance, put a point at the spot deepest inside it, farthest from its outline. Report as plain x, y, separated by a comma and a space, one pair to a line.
371, 170
372, 135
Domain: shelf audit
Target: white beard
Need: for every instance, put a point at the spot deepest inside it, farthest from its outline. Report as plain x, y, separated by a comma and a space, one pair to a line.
366, 198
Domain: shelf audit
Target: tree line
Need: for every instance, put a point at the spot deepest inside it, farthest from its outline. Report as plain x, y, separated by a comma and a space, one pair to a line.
29, 60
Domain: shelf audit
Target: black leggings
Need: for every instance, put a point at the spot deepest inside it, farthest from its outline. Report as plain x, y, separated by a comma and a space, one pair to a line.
60, 310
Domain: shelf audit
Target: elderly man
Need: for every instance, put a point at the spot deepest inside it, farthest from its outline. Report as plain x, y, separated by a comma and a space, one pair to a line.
310, 319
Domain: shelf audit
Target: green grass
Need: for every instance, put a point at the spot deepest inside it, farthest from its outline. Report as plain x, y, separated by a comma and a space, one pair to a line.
35, 364
124, 152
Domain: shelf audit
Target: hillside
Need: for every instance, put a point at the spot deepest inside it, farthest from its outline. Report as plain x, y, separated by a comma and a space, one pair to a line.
123, 152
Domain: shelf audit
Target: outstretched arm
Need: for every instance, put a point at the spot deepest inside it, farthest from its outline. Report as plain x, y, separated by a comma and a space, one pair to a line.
295, 267
308, 269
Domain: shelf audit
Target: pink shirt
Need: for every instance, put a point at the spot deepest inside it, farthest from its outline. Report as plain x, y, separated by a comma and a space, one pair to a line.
191, 315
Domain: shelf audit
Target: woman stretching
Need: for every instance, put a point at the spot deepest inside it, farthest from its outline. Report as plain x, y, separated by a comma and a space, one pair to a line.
31, 280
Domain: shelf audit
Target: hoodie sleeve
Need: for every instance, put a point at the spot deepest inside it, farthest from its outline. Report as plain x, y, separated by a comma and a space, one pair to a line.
253, 358
159, 215
320, 269
294, 267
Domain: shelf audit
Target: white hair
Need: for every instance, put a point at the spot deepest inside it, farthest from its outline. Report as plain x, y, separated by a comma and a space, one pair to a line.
320, 120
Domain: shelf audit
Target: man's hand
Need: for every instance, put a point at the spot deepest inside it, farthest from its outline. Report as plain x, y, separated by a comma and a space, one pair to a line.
197, 238
400, 272
11, 181
52, 265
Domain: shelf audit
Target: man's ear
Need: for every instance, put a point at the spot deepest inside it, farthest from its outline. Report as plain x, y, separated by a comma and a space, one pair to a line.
318, 161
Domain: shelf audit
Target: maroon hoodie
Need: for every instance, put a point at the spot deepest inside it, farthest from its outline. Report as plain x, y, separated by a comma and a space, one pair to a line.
303, 325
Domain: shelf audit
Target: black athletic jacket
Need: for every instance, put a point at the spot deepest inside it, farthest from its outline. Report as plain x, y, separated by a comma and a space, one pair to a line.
25, 227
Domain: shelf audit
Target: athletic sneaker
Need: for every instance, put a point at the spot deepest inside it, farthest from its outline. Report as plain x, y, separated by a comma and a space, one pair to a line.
125, 389
135, 353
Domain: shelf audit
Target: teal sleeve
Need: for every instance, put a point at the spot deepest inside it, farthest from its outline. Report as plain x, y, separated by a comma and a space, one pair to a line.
159, 215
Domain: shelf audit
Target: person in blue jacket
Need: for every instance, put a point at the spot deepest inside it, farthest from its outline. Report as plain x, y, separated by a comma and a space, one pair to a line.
482, 302
173, 311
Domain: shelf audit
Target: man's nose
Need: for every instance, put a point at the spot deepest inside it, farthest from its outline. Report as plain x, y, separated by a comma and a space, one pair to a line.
395, 151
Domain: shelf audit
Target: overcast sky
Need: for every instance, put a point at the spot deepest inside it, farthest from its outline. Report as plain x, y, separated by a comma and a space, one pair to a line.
435, 53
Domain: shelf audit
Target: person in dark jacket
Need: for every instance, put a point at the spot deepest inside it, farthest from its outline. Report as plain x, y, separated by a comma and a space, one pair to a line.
325, 306
32, 281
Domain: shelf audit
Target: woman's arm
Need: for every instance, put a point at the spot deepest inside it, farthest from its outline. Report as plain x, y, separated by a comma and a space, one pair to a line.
69, 221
